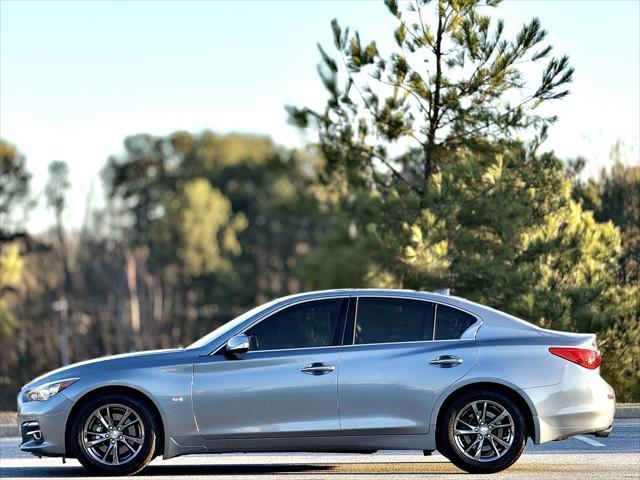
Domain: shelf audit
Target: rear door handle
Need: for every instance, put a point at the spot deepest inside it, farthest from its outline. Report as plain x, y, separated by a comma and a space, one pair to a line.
318, 368
446, 361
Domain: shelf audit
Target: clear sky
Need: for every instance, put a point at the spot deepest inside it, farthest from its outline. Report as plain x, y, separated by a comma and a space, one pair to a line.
77, 77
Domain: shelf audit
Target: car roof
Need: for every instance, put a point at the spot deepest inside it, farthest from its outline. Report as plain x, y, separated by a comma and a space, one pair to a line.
486, 314
390, 292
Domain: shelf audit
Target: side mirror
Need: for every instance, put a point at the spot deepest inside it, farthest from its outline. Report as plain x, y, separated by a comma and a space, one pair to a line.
238, 344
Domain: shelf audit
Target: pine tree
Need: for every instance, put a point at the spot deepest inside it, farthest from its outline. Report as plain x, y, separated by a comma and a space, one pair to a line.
453, 83
434, 149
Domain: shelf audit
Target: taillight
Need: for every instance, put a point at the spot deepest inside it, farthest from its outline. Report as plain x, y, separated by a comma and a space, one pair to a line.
584, 357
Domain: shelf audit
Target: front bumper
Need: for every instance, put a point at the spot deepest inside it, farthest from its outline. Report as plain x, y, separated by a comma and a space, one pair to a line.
42, 425
582, 403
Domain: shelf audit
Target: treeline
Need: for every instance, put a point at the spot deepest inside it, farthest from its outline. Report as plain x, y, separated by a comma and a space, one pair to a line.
197, 229
202, 227
422, 177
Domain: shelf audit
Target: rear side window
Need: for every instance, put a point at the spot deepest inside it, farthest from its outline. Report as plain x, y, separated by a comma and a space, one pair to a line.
451, 323
306, 325
389, 320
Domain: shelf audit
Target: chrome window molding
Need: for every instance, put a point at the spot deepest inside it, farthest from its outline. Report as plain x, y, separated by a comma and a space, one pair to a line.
254, 352
267, 315
388, 344
435, 322
468, 334
355, 321
414, 296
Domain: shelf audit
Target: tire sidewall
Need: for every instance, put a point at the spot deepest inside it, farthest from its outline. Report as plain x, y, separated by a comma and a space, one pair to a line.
145, 454
447, 439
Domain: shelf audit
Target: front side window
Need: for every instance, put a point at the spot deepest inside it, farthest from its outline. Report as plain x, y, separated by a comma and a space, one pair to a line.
389, 320
451, 323
306, 325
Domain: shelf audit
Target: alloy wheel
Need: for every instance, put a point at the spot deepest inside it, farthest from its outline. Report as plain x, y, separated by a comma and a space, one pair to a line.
483, 430
113, 434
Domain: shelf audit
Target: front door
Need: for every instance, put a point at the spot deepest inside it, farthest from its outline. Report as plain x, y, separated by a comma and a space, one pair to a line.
286, 385
403, 354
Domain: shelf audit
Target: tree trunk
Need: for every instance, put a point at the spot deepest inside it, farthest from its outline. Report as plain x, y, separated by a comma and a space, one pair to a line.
434, 115
131, 272
62, 304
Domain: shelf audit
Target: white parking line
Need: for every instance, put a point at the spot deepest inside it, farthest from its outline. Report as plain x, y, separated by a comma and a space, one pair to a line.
589, 441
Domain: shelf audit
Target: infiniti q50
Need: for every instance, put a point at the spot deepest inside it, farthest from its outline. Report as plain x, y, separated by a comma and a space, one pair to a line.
332, 371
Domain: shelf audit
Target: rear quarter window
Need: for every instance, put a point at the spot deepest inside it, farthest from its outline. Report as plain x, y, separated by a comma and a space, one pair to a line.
451, 323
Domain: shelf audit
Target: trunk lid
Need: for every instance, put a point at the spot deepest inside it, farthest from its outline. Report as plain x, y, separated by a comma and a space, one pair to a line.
580, 340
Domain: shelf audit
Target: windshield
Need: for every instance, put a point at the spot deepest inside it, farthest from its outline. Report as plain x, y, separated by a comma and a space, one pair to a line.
222, 329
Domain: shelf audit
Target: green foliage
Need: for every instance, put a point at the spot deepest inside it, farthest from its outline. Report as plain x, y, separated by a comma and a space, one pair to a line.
427, 175
14, 202
426, 141
14, 187
620, 345
199, 222
434, 147
615, 196
341, 261
575, 275
57, 185
11, 264
427, 253
453, 81
220, 220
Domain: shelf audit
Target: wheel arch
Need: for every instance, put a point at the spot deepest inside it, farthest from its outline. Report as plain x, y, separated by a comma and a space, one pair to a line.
519, 398
139, 395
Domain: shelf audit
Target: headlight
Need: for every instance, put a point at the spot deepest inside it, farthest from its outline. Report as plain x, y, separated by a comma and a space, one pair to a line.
48, 390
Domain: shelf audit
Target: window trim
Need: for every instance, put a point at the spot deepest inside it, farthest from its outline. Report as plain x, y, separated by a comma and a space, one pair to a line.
435, 322
465, 335
341, 324
350, 319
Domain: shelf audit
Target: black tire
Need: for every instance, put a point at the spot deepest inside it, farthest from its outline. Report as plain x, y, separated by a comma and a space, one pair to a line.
498, 457
148, 434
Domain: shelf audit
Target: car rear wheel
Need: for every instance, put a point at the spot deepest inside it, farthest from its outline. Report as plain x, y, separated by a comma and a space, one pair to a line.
483, 432
114, 434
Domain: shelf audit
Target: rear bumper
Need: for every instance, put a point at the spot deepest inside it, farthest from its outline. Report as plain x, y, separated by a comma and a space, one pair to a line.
604, 433
582, 403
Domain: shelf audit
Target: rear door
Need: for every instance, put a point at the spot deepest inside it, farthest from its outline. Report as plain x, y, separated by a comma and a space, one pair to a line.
399, 355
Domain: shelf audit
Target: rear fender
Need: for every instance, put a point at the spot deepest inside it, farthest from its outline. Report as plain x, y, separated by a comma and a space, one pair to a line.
487, 382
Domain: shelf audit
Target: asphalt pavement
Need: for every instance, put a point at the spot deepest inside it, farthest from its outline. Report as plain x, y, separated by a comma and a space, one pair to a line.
584, 457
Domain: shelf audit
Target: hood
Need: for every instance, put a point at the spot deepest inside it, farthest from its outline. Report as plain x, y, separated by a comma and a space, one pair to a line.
125, 360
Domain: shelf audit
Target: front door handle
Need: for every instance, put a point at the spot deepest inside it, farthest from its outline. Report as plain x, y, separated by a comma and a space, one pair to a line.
446, 361
318, 368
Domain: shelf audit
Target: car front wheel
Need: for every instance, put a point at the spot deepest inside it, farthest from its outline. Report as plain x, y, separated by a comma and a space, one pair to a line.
483, 432
114, 434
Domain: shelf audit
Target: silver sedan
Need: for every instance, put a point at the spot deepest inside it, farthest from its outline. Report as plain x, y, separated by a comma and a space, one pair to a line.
331, 371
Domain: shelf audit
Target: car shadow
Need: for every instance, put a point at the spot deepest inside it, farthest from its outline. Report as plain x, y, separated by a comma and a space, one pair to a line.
430, 468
